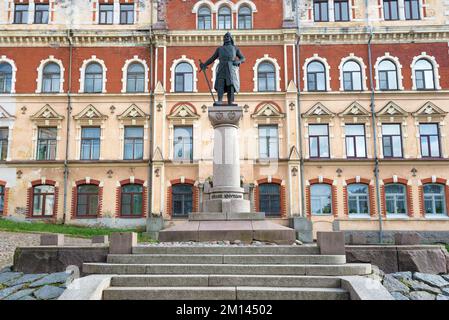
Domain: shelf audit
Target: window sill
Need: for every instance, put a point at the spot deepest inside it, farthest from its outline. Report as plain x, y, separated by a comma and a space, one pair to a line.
322, 214
359, 216
130, 217
436, 217
398, 216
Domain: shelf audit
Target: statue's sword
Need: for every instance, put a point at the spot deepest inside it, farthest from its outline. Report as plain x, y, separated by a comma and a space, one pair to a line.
208, 84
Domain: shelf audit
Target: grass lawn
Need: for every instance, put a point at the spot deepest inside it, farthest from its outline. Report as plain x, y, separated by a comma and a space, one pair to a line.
447, 247
69, 230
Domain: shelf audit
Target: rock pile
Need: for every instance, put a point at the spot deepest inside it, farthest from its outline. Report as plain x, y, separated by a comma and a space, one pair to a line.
19, 286
417, 286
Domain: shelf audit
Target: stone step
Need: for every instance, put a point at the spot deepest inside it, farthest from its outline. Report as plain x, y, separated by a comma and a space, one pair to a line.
224, 259
224, 281
233, 250
261, 269
224, 293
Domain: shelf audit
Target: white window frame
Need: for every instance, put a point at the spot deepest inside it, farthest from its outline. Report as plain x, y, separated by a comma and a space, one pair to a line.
40, 73
128, 62
327, 69
277, 70
362, 69
83, 72
399, 75
435, 65
249, 4
13, 75
173, 71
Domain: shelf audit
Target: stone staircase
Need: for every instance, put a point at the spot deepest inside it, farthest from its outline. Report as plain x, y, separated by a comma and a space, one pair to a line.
226, 273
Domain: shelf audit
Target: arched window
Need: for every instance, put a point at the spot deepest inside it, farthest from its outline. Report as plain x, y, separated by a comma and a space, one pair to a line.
5, 77
135, 78
316, 76
266, 77
358, 199
321, 199
184, 77
224, 18
270, 199
182, 197
51, 78
87, 200
388, 75
434, 199
93, 82
245, 18
395, 199
131, 200
2, 199
352, 76
204, 18
43, 201
424, 75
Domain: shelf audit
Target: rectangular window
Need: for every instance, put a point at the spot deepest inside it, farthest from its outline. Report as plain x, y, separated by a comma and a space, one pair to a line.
46, 143
321, 10
106, 14
183, 143
391, 10
392, 140
21, 14
90, 143
133, 143
41, 13
4, 133
341, 9
355, 141
412, 10
268, 142
319, 140
127, 14
430, 140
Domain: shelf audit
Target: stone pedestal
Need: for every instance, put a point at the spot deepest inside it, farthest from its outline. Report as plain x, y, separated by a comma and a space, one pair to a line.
226, 213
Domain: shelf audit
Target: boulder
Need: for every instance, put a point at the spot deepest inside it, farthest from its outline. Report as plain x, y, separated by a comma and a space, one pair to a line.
445, 291
28, 298
420, 286
431, 279
60, 277
447, 261
48, 292
442, 297
445, 277
404, 275
6, 269
394, 285
421, 295
27, 278
426, 261
399, 296
20, 294
385, 258
8, 276
9, 291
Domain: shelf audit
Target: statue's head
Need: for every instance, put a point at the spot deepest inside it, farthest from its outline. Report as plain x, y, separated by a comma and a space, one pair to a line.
227, 39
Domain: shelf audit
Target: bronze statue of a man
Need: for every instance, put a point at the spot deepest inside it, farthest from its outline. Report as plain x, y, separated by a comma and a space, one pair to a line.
227, 73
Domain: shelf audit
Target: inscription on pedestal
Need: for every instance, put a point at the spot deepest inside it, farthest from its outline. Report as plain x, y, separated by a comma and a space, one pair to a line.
226, 196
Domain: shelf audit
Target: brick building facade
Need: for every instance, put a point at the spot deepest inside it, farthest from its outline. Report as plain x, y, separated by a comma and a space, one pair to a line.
103, 110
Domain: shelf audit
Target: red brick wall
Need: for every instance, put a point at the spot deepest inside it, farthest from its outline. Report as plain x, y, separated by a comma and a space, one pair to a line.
269, 14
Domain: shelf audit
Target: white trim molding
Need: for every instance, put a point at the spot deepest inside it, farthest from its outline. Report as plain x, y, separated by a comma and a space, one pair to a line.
83, 70
362, 65
40, 73
221, 4
14, 71
200, 3
327, 68
435, 65
395, 60
173, 69
277, 70
128, 62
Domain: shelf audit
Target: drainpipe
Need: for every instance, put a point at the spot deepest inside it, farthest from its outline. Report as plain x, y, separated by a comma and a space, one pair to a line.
69, 111
373, 119
298, 105
151, 114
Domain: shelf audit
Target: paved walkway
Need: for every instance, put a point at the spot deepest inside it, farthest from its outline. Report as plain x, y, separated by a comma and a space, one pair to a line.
10, 240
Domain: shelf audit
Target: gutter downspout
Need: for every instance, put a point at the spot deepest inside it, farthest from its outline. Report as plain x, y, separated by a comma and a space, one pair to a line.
298, 105
69, 111
373, 119
151, 142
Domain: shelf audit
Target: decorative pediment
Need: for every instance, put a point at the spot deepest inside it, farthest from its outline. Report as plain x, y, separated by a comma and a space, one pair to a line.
294, 154
133, 113
268, 110
90, 113
392, 110
318, 111
157, 157
5, 114
46, 113
183, 111
429, 110
355, 110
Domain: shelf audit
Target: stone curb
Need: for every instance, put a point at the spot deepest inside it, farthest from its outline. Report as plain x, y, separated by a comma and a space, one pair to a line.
87, 288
